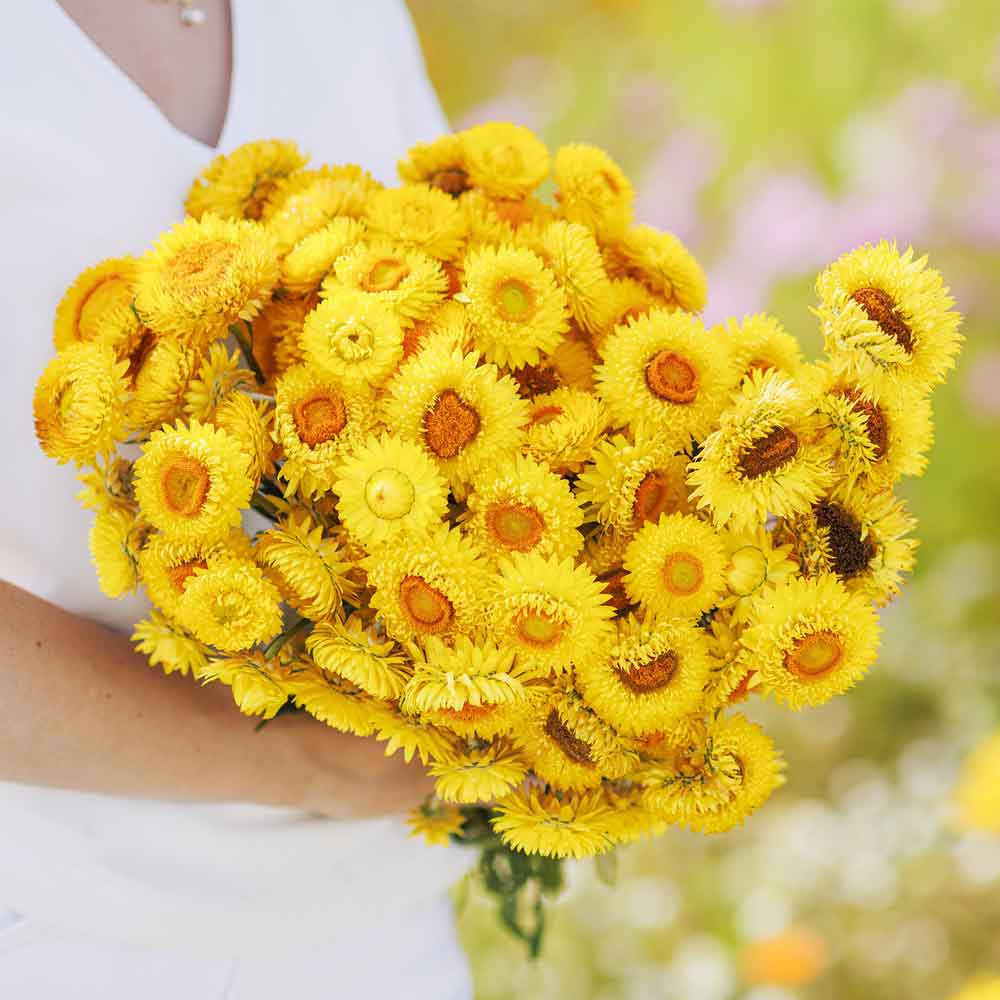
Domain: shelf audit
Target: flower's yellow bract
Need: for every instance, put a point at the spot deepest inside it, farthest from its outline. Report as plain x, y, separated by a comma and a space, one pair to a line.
249, 422
761, 343
107, 485
167, 646
505, 160
436, 585
563, 427
191, 482
759, 560
549, 611
230, 605
653, 675
593, 190
888, 318
516, 309
675, 568
313, 257
662, 263
79, 404
116, 539
420, 217
389, 488
218, 377
810, 640
238, 185
161, 372
523, 507
479, 775
334, 701
371, 662
439, 164
436, 823
203, 276
98, 305
574, 826
664, 372
259, 686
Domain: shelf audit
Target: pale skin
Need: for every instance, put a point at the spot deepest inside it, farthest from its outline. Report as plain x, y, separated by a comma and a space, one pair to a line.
81, 709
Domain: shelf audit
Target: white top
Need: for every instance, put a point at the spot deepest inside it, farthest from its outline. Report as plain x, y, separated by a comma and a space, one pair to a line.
91, 169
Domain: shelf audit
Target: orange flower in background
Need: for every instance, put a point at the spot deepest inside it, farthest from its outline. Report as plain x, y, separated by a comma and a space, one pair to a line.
793, 957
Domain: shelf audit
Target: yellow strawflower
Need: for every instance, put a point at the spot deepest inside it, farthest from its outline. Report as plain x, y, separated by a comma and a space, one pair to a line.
98, 305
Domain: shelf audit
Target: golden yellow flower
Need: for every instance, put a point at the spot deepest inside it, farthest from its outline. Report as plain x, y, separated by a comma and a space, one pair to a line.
79, 403
516, 309
98, 306
116, 539
761, 343
409, 282
505, 160
166, 565
976, 796
593, 189
230, 605
237, 185
309, 570
334, 701
161, 372
352, 338
662, 263
666, 373
318, 423
758, 561
191, 482
313, 257
361, 655
552, 613
676, 567
628, 819
439, 164
569, 365
277, 333
436, 823
888, 318
388, 488
205, 275
654, 675
400, 731
810, 640
259, 686
567, 826
603, 554
627, 484
107, 485
714, 785
627, 299
249, 422
435, 585
523, 507
478, 774
420, 217
563, 427
459, 411
168, 647
861, 536
218, 376
768, 455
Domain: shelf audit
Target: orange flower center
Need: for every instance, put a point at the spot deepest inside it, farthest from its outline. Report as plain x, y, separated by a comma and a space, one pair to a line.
538, 629
759, 365
815, 655
319, 417
653, 497
652, 675
451, 180
450, 424
672, 378
468, 713
880, 308
185, 482
111, 293
545, 415
683, 573
516, 526
412, 338
198, 266
385, 275
769, 453
742, 689
576, 749
263, 188
426, 608
515, 300
179, 575
516, 211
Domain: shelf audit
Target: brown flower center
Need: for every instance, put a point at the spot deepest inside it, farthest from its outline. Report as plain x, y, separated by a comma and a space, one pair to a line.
850, 552
452, 180
426, 608
815, 655
516, 526
536, 380
179, 575
683, 573
576, 749
672, 378
880, 308
652, 675
385, 275
515, 300
185, 483
319, 417
876, 426
653, 497
138, 356
538, 629
771, 452
450, 424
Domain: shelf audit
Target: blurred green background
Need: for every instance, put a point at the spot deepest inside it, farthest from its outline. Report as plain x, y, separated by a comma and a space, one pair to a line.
772, 136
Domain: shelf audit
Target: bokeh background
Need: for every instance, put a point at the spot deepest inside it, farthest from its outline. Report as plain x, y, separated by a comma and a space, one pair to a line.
771, 136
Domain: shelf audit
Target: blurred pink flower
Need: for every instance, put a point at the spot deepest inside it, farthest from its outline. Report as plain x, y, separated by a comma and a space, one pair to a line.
981, 385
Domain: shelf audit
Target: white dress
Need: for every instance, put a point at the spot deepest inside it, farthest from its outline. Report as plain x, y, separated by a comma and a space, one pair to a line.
108, 897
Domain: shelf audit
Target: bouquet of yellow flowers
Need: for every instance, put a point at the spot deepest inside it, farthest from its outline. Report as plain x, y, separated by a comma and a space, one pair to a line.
461, 469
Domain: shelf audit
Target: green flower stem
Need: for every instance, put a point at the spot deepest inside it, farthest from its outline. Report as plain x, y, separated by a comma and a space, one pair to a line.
274, 647
243, 332
264, 505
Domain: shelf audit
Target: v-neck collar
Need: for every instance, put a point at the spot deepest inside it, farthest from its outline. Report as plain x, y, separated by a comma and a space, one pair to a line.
112, 68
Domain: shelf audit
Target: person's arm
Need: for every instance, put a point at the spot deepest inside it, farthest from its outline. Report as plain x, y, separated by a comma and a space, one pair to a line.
81, 710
